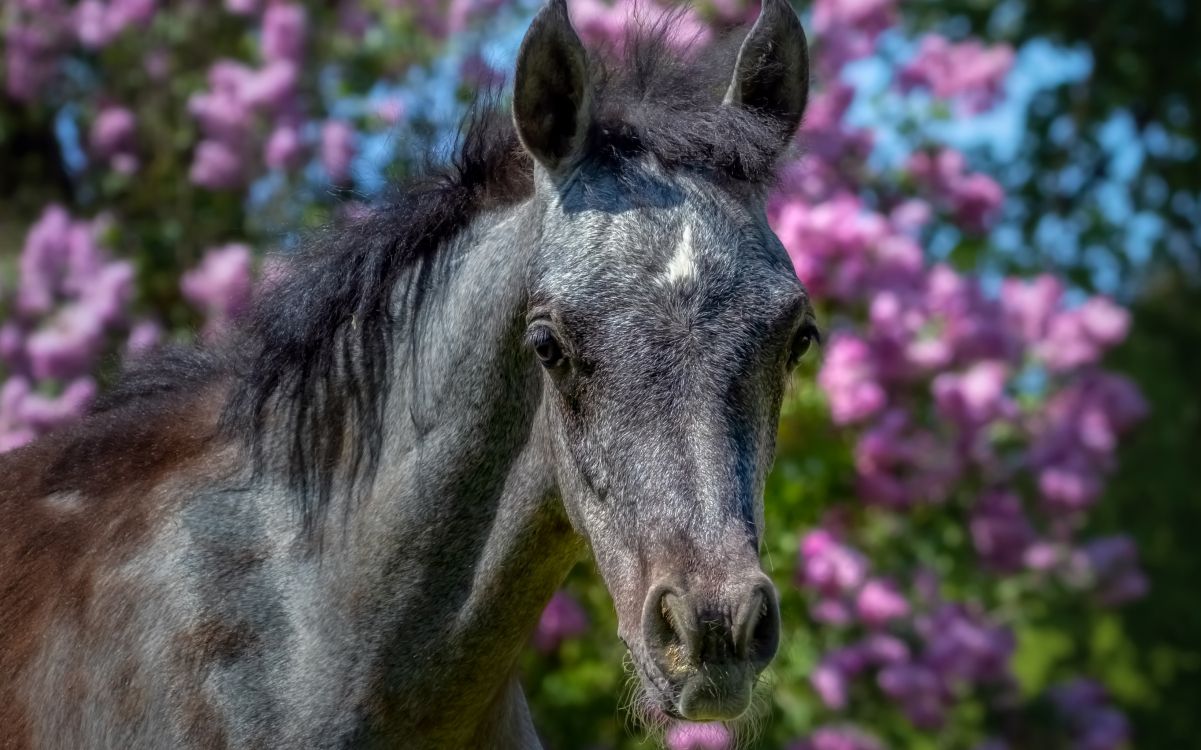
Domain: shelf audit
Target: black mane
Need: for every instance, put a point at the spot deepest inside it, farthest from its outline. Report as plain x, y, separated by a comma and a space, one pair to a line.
312, 364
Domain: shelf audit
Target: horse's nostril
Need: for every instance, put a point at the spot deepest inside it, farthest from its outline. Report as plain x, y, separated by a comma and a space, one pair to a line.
670, 630
757, 630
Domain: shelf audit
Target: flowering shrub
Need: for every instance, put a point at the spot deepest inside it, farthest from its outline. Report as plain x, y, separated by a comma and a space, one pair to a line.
937, 471
69, 308
247, 128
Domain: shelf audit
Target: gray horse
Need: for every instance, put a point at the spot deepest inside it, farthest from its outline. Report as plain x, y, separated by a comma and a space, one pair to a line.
340, 528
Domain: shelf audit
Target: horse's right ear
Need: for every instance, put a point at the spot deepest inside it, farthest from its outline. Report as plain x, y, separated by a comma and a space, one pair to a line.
551, 90
771, 76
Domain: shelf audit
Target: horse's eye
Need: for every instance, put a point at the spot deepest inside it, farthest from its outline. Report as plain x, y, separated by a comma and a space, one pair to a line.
546, 346
801, 342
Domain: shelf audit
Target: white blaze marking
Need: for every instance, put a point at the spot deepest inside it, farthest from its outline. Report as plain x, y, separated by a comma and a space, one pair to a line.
683, 263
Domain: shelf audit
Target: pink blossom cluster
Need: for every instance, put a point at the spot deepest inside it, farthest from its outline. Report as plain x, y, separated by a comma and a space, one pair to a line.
835, 149
562, 620
221, 287
39, 32
845, 590
71, 302
992, 402
972, 199
968, 73
1095, 724
35, 34
98, 23
928, 378
925, 665
928, 659
934, 337
848, 30
605, 24
241, 99
113, 138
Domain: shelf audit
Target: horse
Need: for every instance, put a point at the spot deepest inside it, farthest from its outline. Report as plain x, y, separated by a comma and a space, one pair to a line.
339, 528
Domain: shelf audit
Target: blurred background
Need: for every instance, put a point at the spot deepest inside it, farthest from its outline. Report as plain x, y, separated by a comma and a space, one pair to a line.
988, 481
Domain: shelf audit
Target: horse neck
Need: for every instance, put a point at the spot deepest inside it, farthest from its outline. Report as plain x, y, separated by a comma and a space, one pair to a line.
451, 558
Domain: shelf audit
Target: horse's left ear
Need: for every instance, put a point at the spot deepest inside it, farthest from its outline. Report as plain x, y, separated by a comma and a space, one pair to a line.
772, 73
552, 89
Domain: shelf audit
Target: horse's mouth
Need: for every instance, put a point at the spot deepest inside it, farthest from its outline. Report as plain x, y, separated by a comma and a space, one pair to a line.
659, 694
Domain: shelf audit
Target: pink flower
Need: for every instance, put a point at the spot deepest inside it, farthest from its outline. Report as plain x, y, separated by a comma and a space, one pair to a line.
1000, 531
968, 72
1081, 336
223, 112
842, 251
962, 645
97, 23
830, 566
1042, 556
832, 611
337, 150
830, 684
1030, 305
919, 692
12, 346
1070, 486
391, 111
43, 413
881, 649
144, 337
284, 148
899, 465
1094, 725
562, 619
113, 131
849, 378
220, 286
284, 29
872, 16
33, 45
833, 674
13, 431
44, 261
242, 7
270, 88
1103, 321
974, 200
125, 13
92, 24
879, 602
848, 29
68, 345
603, 24
216, 166
975, 397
